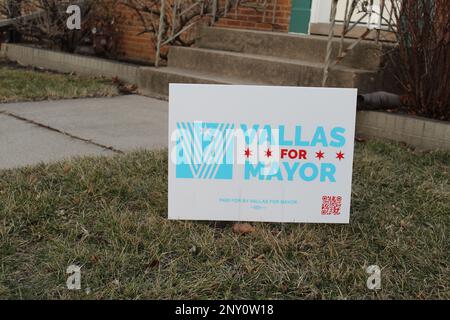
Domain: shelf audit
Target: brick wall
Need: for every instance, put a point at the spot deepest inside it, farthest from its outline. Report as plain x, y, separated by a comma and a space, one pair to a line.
249, 18
140, 47
133, 45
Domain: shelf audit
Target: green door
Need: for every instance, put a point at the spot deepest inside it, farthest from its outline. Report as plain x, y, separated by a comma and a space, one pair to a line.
300, 16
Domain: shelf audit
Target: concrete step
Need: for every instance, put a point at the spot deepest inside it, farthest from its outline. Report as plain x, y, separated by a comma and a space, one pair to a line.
270, 70
155, 81
324, 28
367, 55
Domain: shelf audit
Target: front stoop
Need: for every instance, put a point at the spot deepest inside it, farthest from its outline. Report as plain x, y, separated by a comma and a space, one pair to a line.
233, 56
230, 56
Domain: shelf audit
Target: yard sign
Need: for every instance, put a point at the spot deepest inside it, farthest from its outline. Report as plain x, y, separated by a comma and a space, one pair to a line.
260, 153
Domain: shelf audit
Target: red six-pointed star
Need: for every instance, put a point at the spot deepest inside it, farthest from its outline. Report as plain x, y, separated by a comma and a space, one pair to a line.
248, 153
320, 155
268, 153
340, 155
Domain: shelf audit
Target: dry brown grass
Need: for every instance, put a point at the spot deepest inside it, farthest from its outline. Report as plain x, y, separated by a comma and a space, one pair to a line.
108, 215
24, 84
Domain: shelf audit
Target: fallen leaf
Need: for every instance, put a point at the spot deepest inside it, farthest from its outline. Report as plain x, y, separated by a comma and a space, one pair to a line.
94, 259
421, 296
90, 188
243, 228
67, 168
33, 179
261, 258
127, 88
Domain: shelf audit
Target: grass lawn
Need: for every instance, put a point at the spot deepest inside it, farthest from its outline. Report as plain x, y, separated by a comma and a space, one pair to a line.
108, 215
25, 84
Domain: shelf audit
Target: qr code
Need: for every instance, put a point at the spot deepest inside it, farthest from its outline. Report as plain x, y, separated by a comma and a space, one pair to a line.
331, 205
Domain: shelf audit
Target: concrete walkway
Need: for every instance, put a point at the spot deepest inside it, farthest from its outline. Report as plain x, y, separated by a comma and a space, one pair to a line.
48, 131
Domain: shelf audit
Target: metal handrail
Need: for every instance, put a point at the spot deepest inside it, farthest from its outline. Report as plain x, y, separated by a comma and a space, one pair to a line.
208, 8
348, 25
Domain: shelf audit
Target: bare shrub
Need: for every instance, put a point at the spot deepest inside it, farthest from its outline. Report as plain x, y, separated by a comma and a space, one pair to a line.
45, 22
423, 56
180, 19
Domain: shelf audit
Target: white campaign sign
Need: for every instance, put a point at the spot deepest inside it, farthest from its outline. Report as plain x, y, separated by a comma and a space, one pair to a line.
260, 153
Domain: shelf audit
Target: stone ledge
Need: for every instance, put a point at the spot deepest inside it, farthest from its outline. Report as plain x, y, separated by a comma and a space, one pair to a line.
418, 132
422, 133
65, 62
